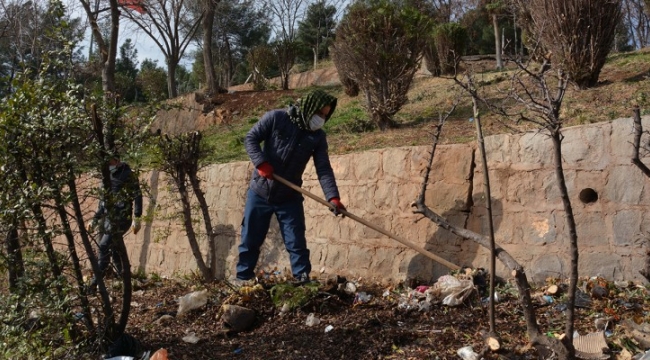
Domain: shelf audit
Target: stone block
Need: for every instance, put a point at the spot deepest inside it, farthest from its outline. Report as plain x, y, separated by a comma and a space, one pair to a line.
625, 185
545, 266
452, 164
533, 229
586, 145
368, 165
535, 151
592, 231
627, 227
396, 163
499, 151
622, 135
599, 264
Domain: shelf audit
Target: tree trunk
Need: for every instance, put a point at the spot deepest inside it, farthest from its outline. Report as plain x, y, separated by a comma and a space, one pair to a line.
15, 264
208, 63
110, 51
231, 63
497, 41
76, 264
189, 228
315, 51
205, 210
171, 79
488, 206
556, 137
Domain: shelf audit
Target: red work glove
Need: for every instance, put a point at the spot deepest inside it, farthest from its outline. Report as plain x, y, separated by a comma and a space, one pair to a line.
336, 202
266, 170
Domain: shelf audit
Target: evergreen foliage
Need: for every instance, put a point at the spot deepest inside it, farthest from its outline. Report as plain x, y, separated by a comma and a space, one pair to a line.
379, 45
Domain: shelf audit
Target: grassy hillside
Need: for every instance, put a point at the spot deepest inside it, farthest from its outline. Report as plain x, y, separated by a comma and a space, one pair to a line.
624, 83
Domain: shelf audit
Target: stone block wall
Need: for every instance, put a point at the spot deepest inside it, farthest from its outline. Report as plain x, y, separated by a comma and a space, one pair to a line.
380, 185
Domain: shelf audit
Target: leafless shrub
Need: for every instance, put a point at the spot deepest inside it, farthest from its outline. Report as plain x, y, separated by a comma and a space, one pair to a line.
576, 35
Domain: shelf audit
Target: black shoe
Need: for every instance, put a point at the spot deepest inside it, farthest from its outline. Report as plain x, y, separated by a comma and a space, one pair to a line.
303, 279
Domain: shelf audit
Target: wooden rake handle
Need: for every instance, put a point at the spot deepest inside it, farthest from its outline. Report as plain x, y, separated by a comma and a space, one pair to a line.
368, 224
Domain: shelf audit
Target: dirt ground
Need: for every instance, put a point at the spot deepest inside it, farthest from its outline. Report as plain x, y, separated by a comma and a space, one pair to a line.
388, 326
381, 328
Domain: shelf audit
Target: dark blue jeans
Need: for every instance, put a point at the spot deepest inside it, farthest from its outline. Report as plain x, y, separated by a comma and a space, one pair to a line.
255, 225
107, 248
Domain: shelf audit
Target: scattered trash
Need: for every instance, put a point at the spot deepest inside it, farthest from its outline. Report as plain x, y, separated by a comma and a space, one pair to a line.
561, 307
496, 298
192, 301
602, 323
639, 332
238, 351
453, 290
424, 306
350, 288
329, 328
161, 354
285, 308
121, 358
591, 346
386, 293
582, 299
547, 299
138, 293
421, 288
362, 298
191, 338
467, 353
312, 320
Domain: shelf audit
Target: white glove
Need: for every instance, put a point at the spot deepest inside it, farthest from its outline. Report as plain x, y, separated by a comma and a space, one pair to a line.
135, 225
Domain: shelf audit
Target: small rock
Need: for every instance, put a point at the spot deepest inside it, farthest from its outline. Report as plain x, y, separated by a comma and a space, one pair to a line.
598, 292
238, 318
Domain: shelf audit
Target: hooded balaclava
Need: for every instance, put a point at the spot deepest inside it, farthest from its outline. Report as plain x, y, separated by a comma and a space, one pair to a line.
305, 109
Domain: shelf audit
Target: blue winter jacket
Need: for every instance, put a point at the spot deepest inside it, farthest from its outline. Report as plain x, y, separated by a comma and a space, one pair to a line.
288, 149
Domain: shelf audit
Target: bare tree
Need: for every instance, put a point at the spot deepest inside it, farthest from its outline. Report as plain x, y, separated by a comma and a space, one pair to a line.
637, 20
285, 17
180, 157
577, 34
169, 24
107, 45
208, 62
536, 336
639, 149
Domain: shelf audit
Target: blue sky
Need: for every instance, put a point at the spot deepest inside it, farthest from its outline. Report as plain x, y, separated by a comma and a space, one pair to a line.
146, 47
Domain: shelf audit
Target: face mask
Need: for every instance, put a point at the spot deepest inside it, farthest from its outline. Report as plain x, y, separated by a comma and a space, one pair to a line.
112, 168
316, 122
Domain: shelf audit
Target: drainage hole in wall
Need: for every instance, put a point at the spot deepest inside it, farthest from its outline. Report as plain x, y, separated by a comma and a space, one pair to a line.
588, 196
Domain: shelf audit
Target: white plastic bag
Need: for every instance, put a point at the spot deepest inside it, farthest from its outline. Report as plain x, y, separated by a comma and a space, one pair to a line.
453, 290
192, 301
